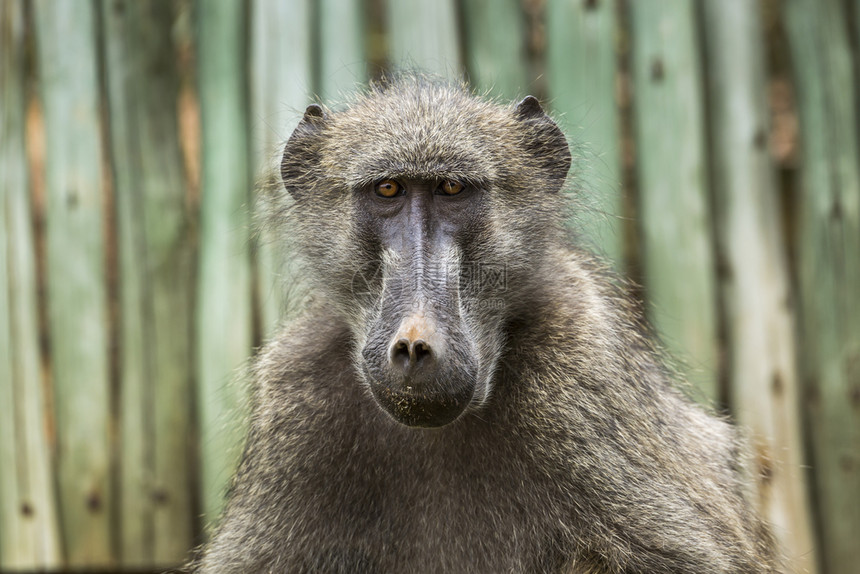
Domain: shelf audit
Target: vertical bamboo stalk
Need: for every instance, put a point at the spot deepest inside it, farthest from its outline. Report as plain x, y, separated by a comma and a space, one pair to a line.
11, 553
13, 550
280, 85
224, 313
581, 73
495, 44
424, 35
155, 259
677, 249
763, 378
76, 281
29, 537
829, 269
342, 57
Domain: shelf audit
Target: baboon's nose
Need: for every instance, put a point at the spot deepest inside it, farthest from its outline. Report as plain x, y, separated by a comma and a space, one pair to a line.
414, 345
412, 352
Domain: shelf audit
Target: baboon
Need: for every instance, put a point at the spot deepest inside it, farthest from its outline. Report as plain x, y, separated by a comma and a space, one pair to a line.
467, 391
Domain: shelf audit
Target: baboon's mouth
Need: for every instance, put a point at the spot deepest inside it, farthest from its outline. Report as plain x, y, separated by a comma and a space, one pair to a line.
421, 366
421, 408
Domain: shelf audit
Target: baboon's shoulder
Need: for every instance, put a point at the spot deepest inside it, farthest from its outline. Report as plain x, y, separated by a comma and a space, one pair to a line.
315, 347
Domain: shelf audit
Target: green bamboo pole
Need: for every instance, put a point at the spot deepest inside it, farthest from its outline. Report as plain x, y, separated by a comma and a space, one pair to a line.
155, 259
280, 86
424, 36
761, 353
581, 75
677, 248
12, 555
10, 484
76, 282
29, 535
342, 57
495, 44
224, 313
829, 268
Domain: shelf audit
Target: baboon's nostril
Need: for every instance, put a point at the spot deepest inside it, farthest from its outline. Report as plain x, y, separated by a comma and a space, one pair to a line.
420, 351
406, 353
416, 346
400, 351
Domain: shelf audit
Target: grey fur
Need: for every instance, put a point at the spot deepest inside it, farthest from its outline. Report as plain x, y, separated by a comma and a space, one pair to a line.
578, 453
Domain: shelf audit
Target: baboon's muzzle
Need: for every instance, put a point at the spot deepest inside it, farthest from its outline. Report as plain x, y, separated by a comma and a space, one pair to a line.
421, 364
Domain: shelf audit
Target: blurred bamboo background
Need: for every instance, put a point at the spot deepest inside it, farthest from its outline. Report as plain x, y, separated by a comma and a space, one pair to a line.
717, 166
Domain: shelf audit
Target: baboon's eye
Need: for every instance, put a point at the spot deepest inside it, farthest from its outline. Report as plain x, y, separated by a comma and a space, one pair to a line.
450, 187
388, 188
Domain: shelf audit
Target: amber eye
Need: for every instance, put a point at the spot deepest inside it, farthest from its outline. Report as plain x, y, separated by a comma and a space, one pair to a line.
450, 187
388, 188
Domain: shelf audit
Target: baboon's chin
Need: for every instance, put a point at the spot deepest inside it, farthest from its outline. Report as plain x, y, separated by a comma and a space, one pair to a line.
434, 402
420, 409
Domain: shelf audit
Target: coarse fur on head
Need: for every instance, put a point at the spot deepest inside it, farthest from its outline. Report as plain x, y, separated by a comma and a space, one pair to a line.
448, 270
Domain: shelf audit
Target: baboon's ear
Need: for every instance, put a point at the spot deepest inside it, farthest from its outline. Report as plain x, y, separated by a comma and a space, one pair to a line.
529, 107
545, 141
302, 149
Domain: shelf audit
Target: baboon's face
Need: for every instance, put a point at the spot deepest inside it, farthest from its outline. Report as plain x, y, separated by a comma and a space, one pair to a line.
422, 211
422, 355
